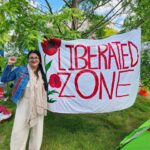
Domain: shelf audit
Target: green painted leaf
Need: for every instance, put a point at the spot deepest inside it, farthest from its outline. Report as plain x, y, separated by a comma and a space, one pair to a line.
51, 100
52, 92
47, 66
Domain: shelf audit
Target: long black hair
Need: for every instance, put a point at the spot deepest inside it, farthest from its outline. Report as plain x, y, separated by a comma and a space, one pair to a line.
40, 68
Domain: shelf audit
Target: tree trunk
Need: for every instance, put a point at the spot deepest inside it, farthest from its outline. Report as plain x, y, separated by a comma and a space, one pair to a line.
75, 4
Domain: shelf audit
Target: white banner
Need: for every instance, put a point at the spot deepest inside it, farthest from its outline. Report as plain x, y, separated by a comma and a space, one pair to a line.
92, 76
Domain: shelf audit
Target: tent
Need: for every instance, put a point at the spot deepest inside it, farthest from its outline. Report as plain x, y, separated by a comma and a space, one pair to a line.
5, 113
139, 139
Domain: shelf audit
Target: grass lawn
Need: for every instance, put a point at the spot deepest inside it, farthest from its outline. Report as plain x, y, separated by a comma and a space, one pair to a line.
84, 132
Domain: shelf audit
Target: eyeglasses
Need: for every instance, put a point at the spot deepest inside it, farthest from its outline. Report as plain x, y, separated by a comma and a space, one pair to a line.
33, 58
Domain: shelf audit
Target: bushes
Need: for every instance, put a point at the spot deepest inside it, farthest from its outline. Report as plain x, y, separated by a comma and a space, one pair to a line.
145, 68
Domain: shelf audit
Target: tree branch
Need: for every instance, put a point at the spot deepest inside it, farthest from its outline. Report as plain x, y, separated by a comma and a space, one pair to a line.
114, 15
101, 21
49, 6
75, 4
50, 10
67, 3
110, 12
67, 25
82, 23
44, 6
92, 11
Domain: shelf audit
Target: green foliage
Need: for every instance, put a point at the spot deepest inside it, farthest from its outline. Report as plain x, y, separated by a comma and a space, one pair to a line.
110, 31
139, 18
28, 23
145, 69
21, 60
94, 19
24, 21
59, 21
2, 63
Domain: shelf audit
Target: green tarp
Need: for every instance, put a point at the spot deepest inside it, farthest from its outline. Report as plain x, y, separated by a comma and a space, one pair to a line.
139, 139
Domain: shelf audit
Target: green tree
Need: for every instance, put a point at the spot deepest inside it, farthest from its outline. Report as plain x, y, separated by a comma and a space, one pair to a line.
145, 69
76, 19
139, 17
110, 31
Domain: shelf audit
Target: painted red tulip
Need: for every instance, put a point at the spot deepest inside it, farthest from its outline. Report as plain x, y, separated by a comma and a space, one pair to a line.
50, 46
55, 81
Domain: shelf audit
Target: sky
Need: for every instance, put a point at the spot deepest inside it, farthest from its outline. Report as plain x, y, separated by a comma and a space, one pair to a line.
55, 4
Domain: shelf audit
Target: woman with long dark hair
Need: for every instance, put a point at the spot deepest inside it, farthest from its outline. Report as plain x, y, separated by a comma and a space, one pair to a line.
30, 95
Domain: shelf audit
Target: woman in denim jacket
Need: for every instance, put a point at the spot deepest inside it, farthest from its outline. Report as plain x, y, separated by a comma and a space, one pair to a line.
29, 94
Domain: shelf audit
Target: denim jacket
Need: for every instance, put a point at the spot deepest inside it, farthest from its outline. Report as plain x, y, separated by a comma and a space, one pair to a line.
20, 75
